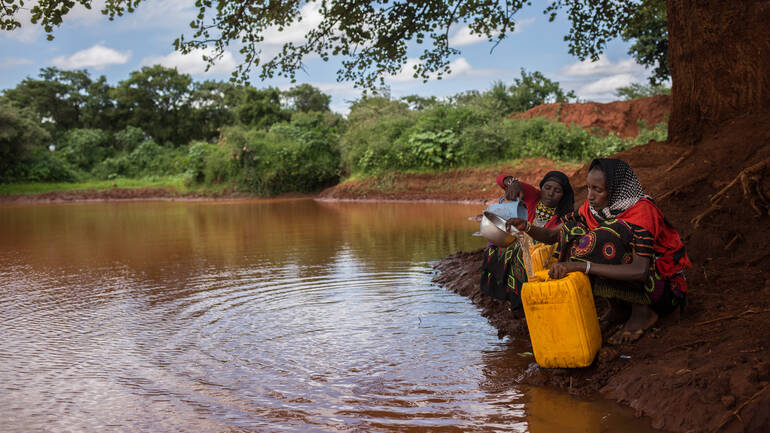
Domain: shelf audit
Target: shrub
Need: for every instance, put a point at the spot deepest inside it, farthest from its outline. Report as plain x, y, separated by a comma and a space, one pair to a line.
489, 142
371, 141
84, 147
20, 136
44, 166
434, 149
118, 165
208, 163
287, 158
129, 138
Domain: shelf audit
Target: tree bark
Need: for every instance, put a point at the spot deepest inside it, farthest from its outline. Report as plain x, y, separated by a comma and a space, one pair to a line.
719, 54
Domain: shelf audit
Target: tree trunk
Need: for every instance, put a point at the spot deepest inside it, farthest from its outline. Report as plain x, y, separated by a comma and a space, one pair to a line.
719, 54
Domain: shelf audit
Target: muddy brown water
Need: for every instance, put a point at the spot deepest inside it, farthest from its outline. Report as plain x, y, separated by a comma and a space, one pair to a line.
284, 315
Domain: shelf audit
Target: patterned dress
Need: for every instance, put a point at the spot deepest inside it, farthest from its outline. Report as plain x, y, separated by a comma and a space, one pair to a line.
502, 270
630, 224
614, 242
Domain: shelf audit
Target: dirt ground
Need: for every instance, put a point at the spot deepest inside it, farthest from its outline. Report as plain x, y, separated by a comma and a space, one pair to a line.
705, 370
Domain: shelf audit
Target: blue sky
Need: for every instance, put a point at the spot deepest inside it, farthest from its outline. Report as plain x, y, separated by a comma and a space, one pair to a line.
87, 40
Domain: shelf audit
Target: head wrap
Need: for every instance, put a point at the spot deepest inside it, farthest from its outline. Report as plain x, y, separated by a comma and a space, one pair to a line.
623, 187
567, 202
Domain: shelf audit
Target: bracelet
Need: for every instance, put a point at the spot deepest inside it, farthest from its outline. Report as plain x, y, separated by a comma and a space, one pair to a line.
528, 228
588, 267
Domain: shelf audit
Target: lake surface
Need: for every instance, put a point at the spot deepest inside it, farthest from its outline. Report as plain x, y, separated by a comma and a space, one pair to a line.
264, 316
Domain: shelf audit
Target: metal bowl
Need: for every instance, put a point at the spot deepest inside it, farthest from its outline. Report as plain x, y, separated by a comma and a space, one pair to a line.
493, 230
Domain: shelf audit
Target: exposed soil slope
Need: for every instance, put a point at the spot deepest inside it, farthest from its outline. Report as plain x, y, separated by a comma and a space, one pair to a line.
621, 117
469, 184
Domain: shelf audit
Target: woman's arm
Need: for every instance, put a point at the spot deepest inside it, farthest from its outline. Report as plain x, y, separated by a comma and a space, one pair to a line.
637, 270
540, 234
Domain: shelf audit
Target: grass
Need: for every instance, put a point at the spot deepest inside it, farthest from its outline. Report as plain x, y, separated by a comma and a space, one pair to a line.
176, 182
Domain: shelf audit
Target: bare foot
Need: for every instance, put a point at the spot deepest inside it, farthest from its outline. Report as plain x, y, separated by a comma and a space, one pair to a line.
611, 311
642, 318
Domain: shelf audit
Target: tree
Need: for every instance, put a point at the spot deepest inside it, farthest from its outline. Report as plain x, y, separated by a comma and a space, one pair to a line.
420, 103
306, 98
372, 39
637, 90
20, 134
260, 108
58, 96
532, 90
648, 28
158, 100
213, 107
527, 91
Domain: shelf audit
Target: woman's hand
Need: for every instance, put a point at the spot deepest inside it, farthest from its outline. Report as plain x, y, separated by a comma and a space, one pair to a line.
520, 224
513, 190
561, 269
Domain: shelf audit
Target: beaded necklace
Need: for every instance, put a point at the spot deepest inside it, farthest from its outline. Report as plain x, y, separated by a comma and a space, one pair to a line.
543, 214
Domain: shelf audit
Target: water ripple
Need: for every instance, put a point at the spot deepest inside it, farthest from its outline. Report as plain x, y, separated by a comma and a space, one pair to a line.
202, 318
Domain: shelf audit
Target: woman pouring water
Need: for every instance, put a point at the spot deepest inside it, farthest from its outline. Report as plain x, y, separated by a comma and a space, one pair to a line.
502, 270
622, 241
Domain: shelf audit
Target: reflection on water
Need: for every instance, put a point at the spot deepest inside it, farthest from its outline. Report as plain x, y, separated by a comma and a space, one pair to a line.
289, 315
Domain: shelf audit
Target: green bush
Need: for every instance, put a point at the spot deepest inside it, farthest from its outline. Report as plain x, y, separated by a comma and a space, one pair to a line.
129, 138
442, 117
148, 159
44, 166
553, 140
151, 159
208, 163
490, 141
434, 149
111, 168
371, 141
289, 157
20, 136
84, 147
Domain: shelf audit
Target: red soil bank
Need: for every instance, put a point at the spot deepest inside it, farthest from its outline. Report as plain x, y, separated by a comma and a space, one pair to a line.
621, 117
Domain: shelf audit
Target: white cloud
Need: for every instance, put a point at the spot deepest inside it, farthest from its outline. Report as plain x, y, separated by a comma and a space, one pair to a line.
311, 18
193, 63
463, 36
29, 32
406, 73
13, 62
604, 88
603, 66
459, 67
598, 81
342, 89
96, 57
154, 14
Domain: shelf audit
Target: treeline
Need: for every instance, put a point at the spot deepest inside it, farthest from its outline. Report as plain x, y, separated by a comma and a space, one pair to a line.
66, 126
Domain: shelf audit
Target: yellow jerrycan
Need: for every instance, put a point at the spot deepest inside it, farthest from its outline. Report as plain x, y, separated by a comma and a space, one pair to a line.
541, 256
562, 321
